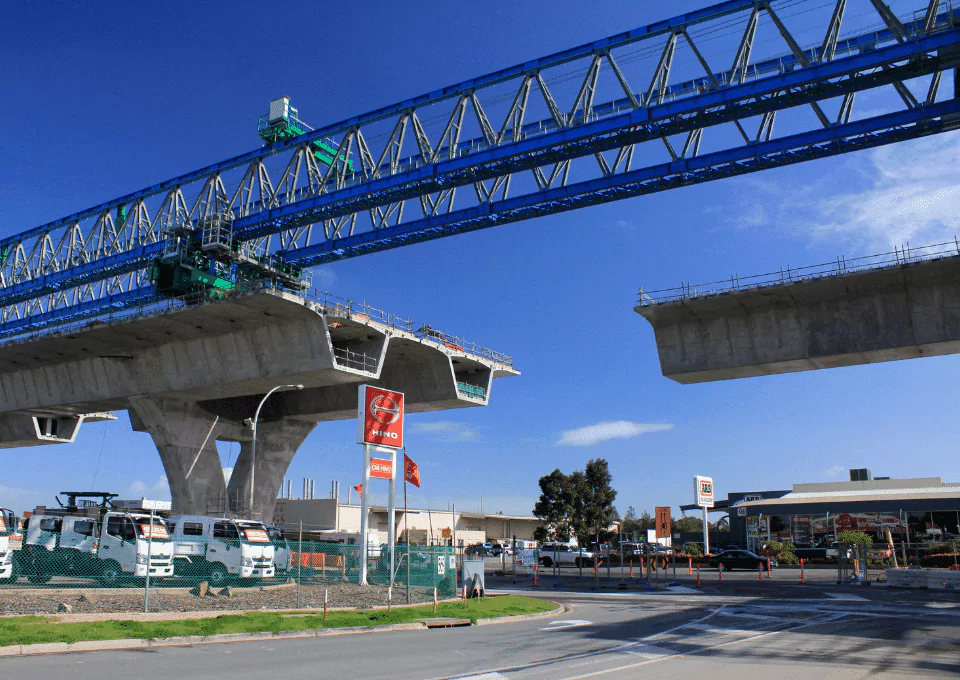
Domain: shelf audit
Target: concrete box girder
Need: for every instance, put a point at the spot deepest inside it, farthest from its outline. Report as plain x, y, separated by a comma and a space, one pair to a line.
887, 314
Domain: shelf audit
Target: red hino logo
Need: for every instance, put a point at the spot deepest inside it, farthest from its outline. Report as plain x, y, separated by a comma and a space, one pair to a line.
385, 410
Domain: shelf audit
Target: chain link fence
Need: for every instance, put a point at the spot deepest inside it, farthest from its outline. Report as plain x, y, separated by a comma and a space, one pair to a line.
135, 572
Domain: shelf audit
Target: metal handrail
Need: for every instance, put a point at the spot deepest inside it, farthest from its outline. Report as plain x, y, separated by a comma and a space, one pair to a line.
841, 266
358, 360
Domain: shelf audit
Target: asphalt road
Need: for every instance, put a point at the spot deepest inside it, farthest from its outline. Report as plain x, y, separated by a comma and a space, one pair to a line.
815, 634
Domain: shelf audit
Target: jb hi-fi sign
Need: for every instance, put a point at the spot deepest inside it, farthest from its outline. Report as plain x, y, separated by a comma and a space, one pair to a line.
380, 417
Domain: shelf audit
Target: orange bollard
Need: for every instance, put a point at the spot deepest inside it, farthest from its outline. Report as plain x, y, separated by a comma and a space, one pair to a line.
768, 566
535, 570
631, 570
760, 572
326, 594
390, 598
698, 576
434, 600
802, 579
720, 572
690, 565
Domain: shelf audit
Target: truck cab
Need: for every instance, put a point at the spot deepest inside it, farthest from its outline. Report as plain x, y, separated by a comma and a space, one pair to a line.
6, 554
132, 544
218, 548
89, 539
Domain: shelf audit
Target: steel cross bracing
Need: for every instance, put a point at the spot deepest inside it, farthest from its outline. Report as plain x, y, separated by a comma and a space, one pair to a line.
553, 134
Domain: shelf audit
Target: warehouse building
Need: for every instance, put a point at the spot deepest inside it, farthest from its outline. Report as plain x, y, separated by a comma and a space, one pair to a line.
418, 526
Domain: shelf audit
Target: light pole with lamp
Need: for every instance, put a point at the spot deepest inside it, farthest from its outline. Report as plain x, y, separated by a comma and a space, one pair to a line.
253, 443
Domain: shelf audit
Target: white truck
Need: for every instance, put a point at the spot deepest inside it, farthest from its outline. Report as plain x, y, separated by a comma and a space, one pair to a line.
88, 539
6, 554
218, 548
281, 550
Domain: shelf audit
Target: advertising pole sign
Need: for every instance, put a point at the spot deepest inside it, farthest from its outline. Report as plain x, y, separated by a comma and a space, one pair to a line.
662, 515
703, 492
380, 430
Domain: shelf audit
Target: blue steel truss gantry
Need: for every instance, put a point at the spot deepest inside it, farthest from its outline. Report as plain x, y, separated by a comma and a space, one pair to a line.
553, 134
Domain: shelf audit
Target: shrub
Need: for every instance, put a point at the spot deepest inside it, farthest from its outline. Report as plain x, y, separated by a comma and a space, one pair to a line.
693, 549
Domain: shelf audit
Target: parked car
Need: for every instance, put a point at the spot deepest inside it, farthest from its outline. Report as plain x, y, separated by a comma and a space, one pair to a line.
740, 559
565, 553
493, 549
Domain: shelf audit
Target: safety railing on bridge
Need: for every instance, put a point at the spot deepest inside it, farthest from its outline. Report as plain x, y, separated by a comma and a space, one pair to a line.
842, 265
473, 391
356, 360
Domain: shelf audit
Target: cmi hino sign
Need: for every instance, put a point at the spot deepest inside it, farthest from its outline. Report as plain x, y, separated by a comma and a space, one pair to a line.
380, 417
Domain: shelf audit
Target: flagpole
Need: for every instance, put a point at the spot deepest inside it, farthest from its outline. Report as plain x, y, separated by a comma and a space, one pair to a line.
406, 528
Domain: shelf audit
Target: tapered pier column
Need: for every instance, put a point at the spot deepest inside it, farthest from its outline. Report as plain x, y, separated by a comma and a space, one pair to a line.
180, 430
277, 444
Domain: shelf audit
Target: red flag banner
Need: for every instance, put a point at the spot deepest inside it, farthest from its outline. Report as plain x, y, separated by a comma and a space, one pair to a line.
359, 489
411, 473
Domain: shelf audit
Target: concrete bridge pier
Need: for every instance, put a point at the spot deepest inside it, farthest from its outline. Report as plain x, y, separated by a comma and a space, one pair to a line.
277, 444
179, 430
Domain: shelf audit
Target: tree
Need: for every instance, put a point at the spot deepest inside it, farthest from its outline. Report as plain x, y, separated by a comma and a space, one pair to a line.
555, 505
630, 523
598, 496
688, 525
578, 504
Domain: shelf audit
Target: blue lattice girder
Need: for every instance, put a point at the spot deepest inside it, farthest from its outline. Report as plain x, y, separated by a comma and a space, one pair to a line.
855, 136
732, 104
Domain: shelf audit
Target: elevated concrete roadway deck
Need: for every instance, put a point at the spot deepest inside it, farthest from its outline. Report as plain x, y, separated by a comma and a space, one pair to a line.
900, 311
192, 375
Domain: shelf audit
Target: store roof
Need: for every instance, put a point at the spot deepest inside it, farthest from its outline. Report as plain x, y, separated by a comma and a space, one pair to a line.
859, 492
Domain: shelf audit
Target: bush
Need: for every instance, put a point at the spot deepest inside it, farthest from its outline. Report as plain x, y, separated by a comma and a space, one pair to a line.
693, 549
865, 541
781, 552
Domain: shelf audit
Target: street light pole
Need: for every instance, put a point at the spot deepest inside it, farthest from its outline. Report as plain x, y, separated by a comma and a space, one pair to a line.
253, 443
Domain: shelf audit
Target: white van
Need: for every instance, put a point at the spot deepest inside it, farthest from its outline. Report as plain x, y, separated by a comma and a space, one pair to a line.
216, 548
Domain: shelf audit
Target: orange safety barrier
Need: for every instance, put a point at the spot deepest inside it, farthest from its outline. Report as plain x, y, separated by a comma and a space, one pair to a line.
803, 580
720, 572
760, 572
698, 576
690, 565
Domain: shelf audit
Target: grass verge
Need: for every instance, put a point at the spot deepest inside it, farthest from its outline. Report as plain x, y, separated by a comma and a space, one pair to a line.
27, 630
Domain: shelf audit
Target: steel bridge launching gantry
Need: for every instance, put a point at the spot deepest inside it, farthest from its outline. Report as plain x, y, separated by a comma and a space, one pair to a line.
557, 133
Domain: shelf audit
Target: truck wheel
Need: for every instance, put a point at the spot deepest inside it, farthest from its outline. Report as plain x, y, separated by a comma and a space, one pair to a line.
111, 574
217, 575
547, 562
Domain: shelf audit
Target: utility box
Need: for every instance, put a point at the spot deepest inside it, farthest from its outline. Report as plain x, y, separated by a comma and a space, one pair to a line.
279, 110
473, 568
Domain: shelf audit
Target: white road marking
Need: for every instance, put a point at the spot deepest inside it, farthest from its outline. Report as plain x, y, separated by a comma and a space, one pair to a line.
567, 623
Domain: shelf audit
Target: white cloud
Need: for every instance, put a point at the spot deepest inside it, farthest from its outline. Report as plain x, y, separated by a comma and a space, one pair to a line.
447, 431
605, 431
912, 193
835, 470
18, 499
138, 487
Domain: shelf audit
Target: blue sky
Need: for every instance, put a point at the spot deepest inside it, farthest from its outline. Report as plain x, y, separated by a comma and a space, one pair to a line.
104, 100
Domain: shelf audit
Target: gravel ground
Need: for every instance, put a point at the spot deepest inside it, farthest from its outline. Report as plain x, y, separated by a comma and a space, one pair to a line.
14, 601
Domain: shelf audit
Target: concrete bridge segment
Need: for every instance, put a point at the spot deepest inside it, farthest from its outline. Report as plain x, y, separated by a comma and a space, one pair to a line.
192, 375
895, 312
